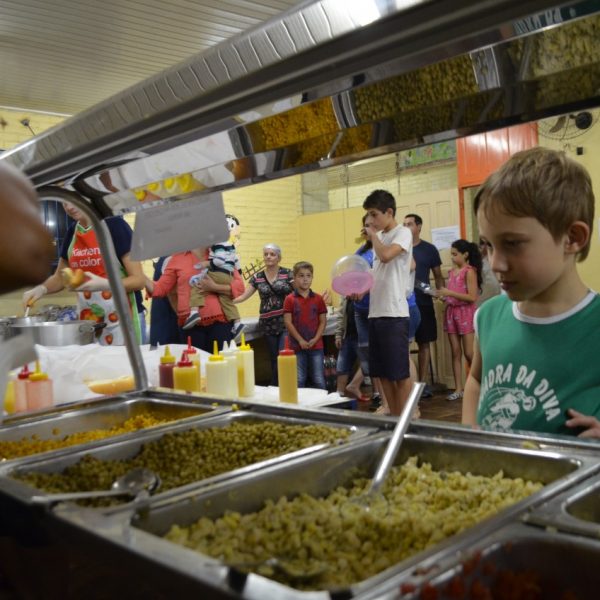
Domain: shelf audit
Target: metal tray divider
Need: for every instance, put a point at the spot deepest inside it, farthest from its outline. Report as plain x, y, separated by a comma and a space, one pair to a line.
554, 514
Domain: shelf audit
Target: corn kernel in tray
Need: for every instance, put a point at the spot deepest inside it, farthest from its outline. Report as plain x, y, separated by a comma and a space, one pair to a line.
35, 445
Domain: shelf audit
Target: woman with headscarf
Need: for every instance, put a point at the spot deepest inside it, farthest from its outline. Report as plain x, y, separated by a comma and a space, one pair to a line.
273, 284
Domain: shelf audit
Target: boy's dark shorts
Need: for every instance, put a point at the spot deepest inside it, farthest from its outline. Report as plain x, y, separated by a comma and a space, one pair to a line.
388, 348
427, 330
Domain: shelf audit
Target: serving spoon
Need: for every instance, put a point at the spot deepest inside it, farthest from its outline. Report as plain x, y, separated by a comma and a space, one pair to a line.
286, 568
131, 484
372, 501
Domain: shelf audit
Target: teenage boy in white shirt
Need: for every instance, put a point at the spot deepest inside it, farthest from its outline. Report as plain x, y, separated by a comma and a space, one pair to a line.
388, 309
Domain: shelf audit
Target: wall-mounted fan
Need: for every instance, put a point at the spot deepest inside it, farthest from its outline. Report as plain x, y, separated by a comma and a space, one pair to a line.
568, 126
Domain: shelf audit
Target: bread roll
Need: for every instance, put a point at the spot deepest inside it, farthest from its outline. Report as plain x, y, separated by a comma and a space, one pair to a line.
72, 278
112, 386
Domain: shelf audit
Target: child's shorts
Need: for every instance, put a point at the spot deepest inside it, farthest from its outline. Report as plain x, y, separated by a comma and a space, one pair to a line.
459, 319
388, 348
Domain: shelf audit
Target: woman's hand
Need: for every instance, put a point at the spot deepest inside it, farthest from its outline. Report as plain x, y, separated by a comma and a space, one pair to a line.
93, 283
591, 425
326, 295
30, 297
338, 342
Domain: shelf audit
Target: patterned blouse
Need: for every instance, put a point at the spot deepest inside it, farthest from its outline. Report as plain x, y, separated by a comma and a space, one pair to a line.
272, 296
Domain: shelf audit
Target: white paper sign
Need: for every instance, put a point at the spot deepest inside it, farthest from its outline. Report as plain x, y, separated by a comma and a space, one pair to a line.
179, 226
442, 237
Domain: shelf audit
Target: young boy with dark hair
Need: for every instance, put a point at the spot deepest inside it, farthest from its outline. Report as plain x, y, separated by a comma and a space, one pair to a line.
304, 315
537, 346
388, 308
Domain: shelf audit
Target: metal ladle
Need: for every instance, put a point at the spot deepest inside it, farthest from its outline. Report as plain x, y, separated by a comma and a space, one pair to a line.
292, 572
131, 484
372, 500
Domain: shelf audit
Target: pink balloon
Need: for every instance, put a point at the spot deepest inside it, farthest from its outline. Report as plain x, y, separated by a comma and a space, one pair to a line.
352, 282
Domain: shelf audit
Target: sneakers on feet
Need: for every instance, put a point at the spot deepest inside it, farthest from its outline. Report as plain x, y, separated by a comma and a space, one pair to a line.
237, 329
375, 402
427, 393
191, 321
454, 396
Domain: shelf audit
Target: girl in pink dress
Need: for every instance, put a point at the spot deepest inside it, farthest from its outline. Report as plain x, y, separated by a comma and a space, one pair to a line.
464, 285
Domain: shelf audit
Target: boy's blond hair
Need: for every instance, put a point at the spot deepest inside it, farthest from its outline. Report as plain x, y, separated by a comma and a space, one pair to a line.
544, 184
302, 265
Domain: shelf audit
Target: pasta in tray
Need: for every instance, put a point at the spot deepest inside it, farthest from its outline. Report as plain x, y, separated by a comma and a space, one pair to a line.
425, 507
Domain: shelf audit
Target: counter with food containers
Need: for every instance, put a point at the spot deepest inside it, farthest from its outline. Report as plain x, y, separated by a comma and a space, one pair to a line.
256, 500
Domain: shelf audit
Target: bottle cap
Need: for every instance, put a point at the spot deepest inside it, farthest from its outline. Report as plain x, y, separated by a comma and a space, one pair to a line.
38, 375
167, 358
190, 349
287, 351
215, 356
243, 346
24, 373
232, 346
185, 360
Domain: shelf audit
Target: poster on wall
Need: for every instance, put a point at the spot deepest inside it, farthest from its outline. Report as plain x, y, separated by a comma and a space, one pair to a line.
433, 153
442, 237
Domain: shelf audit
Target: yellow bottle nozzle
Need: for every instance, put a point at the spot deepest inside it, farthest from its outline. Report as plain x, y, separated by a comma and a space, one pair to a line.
243, 346
215, 356
38, 374
167, 358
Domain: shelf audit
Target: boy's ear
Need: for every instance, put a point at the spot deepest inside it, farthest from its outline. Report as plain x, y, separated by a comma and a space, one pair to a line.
578, 237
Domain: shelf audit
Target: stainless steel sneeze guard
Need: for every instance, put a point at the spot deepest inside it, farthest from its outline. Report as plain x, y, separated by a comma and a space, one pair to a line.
321, 84
317, 474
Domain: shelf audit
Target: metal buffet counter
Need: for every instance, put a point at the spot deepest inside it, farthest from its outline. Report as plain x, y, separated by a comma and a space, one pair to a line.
120, 548
318, 86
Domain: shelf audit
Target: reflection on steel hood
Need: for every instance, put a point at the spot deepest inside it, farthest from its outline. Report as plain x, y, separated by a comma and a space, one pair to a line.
324, 84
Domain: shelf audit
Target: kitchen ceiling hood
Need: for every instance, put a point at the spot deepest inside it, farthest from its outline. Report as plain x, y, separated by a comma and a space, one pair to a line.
320, 85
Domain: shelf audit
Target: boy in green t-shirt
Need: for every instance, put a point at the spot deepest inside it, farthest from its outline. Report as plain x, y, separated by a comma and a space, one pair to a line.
535, 365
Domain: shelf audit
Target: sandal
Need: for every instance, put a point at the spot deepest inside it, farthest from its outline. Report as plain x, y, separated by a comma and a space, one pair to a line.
454, 396
382, 410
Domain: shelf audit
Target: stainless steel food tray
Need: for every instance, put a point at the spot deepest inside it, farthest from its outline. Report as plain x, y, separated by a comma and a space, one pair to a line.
138, 530
127, 447
515, 559
575, 511
100, 414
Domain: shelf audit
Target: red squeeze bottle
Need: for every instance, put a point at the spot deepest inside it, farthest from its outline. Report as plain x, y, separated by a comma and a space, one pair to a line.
165, 369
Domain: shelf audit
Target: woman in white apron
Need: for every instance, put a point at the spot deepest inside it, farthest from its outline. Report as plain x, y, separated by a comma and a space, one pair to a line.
95, 302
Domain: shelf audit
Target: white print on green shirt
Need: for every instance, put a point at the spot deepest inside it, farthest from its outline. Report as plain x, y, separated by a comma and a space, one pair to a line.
510, 391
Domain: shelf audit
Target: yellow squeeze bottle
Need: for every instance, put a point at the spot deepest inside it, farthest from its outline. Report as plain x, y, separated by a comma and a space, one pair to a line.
287, 367
39, 391
217, 371
9, 397
185, 375
245, 360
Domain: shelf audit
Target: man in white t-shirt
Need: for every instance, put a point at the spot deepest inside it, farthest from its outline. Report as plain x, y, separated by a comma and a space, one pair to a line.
388, 309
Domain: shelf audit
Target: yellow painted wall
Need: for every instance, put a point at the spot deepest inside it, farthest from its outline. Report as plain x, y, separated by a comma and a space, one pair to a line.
324, 238
14, 133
